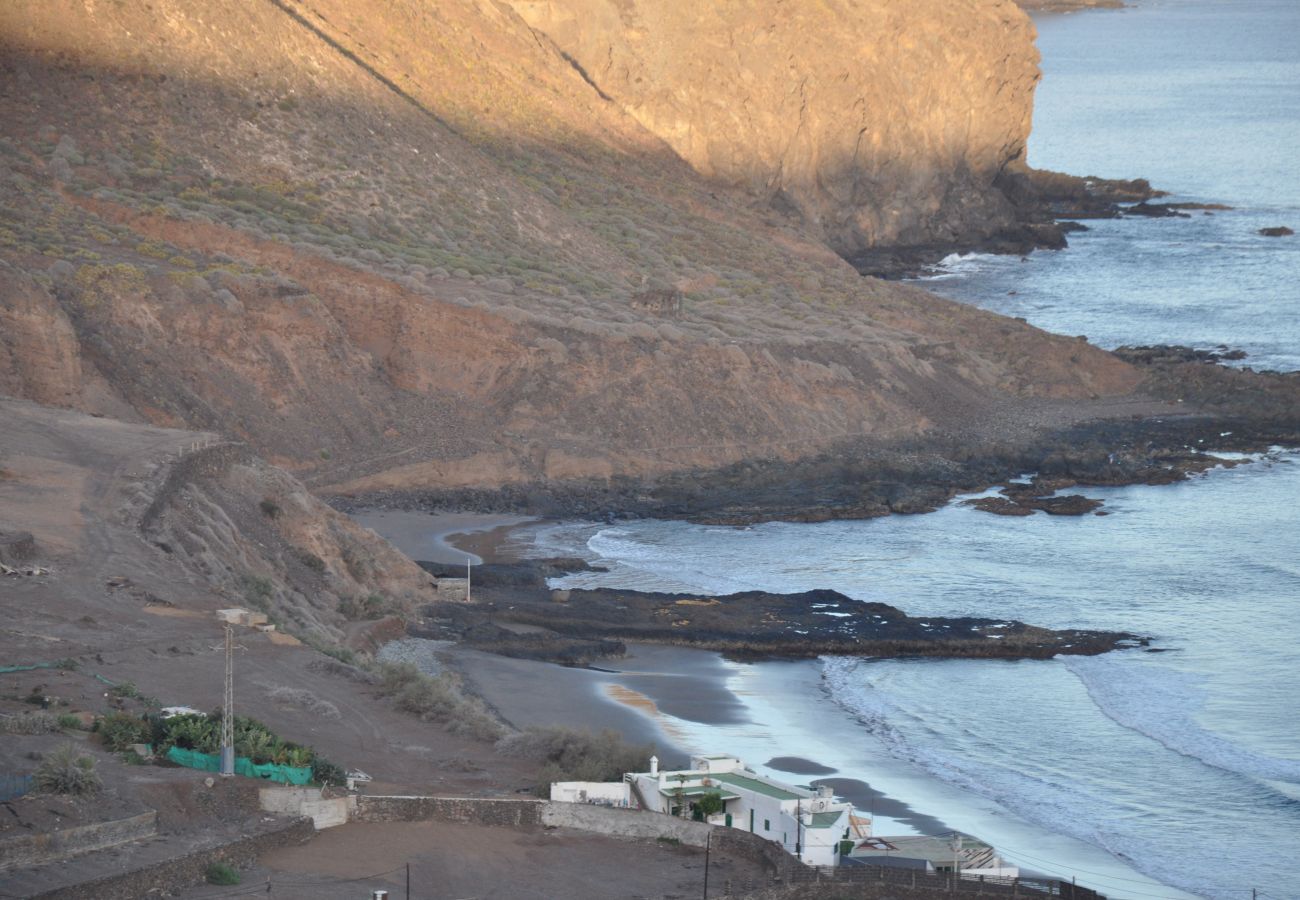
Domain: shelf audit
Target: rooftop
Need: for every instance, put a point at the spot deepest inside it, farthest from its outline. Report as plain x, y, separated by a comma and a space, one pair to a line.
825, 819
745, 782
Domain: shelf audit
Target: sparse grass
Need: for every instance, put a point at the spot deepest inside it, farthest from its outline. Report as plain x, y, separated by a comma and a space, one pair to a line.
29, 723
438, 699
312, 561
306, 700
257, 590
565, 754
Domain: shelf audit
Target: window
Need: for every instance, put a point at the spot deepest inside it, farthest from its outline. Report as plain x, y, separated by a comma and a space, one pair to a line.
767, 824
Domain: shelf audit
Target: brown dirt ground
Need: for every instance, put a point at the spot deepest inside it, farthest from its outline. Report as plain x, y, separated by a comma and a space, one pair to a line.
470, 862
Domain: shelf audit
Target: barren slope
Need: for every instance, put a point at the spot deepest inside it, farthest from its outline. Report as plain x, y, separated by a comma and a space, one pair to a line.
410, 247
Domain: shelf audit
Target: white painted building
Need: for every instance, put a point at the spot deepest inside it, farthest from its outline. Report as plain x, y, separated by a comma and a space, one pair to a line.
809, 824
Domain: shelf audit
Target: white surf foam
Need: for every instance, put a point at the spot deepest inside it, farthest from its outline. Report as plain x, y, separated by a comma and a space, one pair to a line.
1162, 704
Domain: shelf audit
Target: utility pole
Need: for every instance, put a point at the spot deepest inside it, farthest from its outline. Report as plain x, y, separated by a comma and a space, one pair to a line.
468, 562
708, 845
228, 709
798, 829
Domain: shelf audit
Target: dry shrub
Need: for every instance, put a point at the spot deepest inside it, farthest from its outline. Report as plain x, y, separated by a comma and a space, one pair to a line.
331, 666
29, 723
68, 771
306, 700
566, 754
438, 699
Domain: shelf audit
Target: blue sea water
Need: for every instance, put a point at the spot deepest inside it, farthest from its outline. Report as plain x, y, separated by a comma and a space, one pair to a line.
1142, 774
1168, 774
1201, 97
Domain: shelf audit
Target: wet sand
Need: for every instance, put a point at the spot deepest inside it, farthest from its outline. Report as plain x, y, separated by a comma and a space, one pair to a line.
642, 696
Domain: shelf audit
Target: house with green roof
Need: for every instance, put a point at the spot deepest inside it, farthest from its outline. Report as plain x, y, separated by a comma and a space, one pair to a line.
721, 790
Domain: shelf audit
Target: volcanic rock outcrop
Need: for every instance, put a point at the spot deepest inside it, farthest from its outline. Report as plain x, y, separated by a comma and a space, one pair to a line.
881, 122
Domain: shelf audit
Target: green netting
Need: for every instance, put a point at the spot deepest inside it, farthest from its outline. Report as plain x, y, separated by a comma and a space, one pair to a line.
207, 762
4, 670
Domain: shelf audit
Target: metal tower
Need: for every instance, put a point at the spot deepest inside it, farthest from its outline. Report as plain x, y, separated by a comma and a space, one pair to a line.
228, 710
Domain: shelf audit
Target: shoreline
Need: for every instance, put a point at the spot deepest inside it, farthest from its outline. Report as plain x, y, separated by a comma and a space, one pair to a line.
443, 537
684, 701
647, 697
1138, 441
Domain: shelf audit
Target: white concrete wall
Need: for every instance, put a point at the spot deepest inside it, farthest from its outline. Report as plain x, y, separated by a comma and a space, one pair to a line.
306, 801
613, 793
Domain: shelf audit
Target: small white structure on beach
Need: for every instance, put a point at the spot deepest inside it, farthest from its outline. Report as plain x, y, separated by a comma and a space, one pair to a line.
811, 824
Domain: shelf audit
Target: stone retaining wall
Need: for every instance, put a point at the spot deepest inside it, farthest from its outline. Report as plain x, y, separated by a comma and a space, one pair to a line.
52, 846
172, 875
625, 822
580, 816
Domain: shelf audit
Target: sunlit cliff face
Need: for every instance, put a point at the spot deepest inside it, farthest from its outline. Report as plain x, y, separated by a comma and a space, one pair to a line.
403, 244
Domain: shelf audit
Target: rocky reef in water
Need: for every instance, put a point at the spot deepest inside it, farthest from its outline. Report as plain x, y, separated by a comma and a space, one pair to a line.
515, 614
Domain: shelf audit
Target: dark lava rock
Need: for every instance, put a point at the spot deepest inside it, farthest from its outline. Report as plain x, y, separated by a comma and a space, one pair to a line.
1155, 211
999, 506
1026, 499
584, 624
1070, 505
17, 547
1069, 227
1168, 354
1276, 231
532, 573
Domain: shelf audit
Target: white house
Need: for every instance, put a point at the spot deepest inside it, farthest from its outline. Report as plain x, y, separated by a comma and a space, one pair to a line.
809, 824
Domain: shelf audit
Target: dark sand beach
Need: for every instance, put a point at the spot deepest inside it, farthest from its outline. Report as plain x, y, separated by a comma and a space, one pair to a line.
644, 695
447, 538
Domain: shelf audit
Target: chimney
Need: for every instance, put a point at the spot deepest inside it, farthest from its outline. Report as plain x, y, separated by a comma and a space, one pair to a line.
654, 765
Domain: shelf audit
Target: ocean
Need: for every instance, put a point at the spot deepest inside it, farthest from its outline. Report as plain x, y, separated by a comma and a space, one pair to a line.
1201, 97
1141, 774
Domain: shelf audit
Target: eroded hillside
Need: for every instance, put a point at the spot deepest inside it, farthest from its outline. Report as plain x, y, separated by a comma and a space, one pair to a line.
405, 246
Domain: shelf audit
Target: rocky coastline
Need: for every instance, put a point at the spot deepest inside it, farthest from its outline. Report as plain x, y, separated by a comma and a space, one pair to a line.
515, 614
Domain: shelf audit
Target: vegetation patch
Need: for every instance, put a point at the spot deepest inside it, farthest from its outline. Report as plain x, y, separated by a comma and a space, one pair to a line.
221, 873
566, 754
67, 770
438, 699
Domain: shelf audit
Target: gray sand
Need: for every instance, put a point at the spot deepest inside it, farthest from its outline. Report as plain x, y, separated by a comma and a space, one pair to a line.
424, 536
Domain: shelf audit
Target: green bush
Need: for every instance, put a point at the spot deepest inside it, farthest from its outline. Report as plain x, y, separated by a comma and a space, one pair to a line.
120, 730
68, 720
324, 772
221, 873
68, 771
710, 803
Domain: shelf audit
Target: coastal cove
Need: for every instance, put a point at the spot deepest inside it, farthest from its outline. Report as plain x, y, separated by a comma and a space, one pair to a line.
1009, 751
1171, 774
